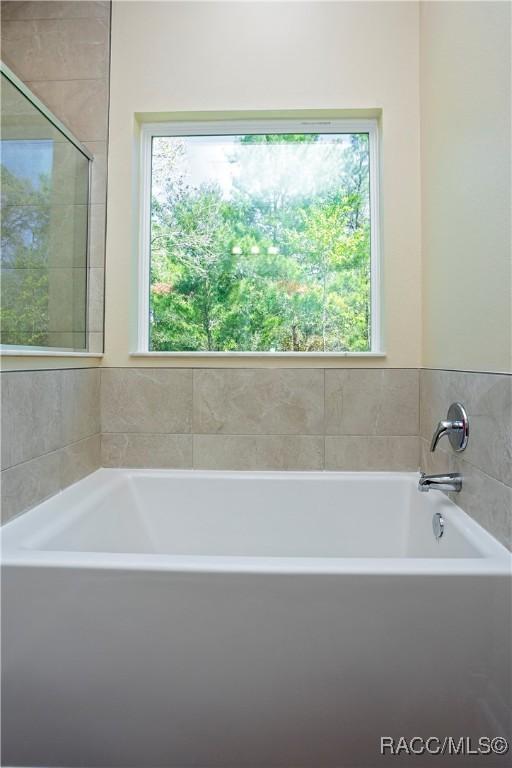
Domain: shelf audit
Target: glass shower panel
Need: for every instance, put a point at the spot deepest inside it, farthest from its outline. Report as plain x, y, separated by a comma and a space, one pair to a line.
44, 228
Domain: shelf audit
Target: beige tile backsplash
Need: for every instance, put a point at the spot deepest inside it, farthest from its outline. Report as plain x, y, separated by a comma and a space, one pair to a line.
259, 452
133, 449
259, 401
149, 400
371, 402
261, 418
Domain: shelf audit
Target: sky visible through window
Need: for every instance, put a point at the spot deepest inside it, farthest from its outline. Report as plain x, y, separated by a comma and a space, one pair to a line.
260, 243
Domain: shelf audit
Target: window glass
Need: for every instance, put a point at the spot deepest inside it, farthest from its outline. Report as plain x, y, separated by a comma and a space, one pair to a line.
260, 242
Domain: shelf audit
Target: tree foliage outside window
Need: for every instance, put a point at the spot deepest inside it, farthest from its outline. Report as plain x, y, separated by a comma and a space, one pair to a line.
260, 243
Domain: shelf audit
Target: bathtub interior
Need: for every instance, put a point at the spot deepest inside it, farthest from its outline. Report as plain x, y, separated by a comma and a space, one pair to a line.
249, 515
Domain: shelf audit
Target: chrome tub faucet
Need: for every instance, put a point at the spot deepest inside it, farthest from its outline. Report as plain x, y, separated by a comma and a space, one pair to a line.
456, 427
452, 481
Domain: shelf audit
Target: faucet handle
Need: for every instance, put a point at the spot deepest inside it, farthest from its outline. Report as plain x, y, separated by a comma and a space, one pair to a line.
456, 426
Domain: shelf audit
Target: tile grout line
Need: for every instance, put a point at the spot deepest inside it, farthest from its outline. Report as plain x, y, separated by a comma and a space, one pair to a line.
53, 450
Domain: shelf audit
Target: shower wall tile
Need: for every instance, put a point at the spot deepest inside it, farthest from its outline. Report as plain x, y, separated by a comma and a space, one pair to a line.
487, 398
68, 237
31, 415
99, 171
67, 292
259, 452
374, 453
27, 484
82, 46
50, 433
73, 340
79, 459
82, 105
372, 402
140, 450
259, 401
149, 400
486, 464
96, 294
485, 499
13, 10
95, 342
97, 237
80, 404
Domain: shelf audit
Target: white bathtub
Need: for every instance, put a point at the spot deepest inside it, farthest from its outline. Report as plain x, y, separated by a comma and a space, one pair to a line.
235, 620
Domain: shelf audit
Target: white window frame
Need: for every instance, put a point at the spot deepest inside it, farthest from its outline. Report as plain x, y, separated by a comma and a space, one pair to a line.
252, 126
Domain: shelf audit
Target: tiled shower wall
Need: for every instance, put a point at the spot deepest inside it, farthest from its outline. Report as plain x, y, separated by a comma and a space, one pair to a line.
50, 433
486, 464
61, 50
309, 419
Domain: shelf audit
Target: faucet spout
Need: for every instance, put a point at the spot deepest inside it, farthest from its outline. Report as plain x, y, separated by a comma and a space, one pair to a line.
452, 482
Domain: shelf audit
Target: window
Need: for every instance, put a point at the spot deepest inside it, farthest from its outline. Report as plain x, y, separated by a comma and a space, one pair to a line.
259, 238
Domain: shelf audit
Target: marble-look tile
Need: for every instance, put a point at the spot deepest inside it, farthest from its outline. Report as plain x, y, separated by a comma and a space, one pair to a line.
485, 499
376, 453
80, 404
98, 171
57, 49
96, 295
147, 400
266, 401
70, 175
82, 105
13, 10
31, 415
139, 450
95, 342
97, 237
66, 231
67, 235
79, 459
72, 340
67, 289
488, 401
258, 452
371, 402
29, 483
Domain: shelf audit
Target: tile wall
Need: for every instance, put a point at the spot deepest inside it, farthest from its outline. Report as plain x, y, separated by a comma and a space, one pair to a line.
50, 433
260, 418
486, 464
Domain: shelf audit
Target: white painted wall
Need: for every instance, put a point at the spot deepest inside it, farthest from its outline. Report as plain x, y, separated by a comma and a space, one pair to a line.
218, 57
466, 185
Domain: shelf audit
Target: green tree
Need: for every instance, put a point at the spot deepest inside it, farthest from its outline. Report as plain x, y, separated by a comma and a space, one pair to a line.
280, 262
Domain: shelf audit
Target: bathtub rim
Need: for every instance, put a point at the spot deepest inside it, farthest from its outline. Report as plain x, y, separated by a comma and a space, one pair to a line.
494, 559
